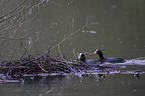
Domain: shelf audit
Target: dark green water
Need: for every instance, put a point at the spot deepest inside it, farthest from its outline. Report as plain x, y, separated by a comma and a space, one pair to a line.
117, 29
100, 85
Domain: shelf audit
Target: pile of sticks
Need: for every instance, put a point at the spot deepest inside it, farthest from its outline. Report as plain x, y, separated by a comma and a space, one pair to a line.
40, 65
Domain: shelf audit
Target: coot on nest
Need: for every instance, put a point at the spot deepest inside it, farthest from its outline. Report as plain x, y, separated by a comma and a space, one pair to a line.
82, 58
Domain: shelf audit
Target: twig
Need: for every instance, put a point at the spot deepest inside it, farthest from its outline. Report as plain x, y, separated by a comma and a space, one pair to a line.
17, 13
64, 59
26, 52
42, 68
13, 9
54, 3
74, 52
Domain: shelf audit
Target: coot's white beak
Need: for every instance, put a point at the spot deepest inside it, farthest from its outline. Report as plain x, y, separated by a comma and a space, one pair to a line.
95, 51
80, 55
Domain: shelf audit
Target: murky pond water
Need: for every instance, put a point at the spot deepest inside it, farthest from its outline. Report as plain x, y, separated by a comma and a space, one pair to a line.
118, 82
116, 27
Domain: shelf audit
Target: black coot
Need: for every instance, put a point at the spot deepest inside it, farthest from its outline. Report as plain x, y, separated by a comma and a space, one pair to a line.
110, 60
82, 58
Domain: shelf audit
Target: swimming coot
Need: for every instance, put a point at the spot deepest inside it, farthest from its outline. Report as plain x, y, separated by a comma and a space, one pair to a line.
82, 58
110, 60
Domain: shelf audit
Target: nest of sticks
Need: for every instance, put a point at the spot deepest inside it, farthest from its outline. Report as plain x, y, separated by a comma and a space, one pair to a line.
42, 64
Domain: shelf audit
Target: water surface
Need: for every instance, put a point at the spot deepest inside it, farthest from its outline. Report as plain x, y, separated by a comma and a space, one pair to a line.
116, 27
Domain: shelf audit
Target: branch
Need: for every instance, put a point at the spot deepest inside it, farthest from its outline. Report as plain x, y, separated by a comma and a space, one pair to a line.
64, 59
12, 10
